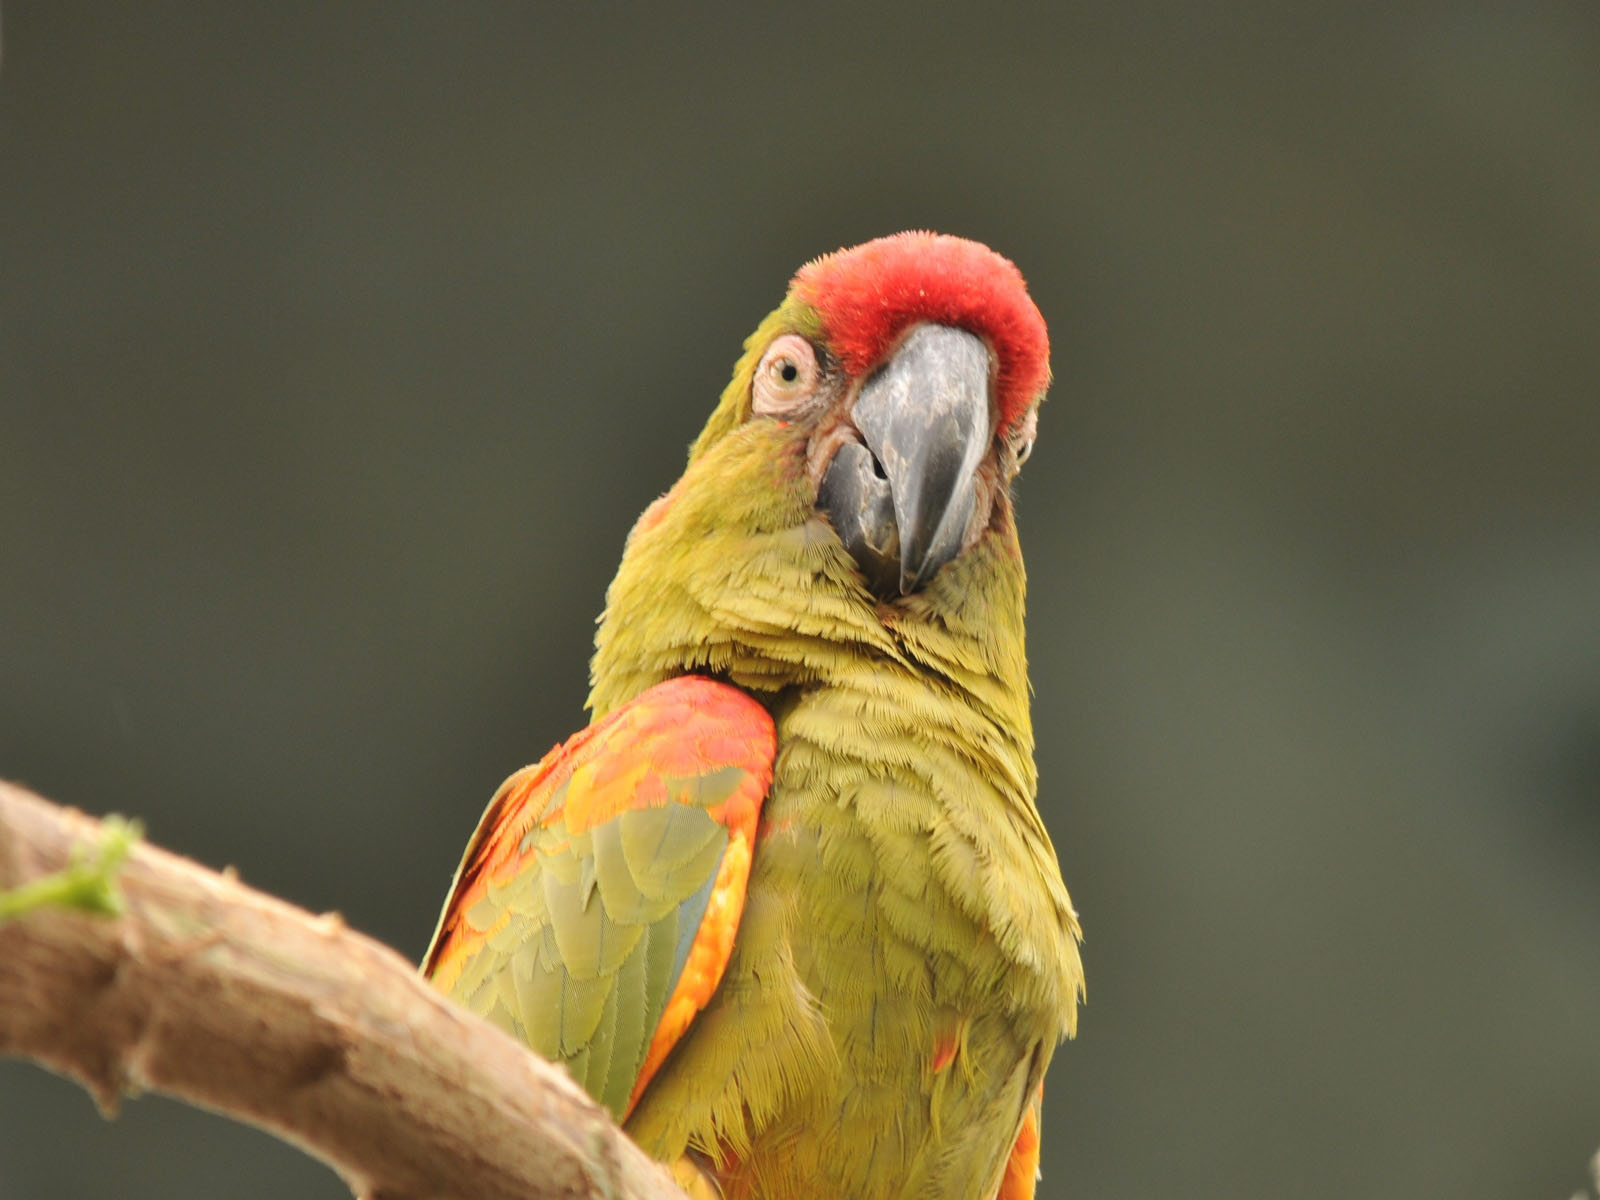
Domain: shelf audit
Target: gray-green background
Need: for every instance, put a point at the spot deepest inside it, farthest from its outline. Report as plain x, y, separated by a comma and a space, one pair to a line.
339, 347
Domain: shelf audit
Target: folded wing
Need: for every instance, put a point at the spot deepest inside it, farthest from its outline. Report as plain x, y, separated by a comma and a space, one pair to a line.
596, 905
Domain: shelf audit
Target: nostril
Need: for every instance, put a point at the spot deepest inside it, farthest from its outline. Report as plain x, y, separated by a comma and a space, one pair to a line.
877, 469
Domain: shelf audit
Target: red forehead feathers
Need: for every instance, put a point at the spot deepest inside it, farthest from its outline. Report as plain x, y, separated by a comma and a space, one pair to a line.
868, 295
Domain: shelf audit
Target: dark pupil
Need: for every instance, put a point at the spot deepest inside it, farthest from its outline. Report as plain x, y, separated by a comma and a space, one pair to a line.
789, 371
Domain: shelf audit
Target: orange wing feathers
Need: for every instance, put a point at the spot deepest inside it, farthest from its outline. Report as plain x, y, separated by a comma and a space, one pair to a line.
596, 905
1022, 1168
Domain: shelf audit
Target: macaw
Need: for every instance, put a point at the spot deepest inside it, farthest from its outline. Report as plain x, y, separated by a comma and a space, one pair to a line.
787, 907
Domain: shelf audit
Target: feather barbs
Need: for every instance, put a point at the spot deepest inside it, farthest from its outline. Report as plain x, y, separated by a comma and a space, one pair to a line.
869, 295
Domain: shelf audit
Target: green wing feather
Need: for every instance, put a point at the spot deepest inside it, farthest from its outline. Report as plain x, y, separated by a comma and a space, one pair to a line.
582, 893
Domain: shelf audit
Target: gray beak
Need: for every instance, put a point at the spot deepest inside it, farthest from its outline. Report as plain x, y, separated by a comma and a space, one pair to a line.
901, 498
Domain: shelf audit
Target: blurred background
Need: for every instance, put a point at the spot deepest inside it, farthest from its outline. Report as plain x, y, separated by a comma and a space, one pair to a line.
340, 346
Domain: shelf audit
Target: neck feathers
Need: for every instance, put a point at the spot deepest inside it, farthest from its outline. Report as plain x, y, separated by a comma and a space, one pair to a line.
734, 574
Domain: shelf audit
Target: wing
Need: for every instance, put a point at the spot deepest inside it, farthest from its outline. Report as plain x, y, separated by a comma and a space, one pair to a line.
596, 905
1022, 1168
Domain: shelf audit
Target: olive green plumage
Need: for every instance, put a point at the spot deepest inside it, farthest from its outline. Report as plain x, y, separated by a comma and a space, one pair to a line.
811, 667
903, 877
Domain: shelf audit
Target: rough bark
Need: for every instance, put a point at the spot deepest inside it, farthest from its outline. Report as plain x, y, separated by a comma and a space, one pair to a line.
208, 991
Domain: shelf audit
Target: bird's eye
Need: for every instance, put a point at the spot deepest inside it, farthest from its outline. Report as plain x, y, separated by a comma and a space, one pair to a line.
1024, 449
786, 377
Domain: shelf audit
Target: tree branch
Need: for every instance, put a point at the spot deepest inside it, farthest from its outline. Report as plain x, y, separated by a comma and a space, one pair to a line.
229, 999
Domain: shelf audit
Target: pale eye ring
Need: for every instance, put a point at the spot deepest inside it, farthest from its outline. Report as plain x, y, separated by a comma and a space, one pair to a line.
1023, 450
786, 377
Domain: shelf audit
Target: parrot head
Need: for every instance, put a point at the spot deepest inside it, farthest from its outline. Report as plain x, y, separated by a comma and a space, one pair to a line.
914, 365
862, 452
